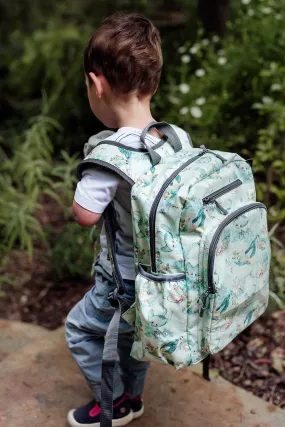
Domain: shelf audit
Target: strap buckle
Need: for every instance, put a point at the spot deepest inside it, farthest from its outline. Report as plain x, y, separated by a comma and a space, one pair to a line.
113, 298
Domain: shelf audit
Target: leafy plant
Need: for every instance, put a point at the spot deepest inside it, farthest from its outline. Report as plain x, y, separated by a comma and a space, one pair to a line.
230, 94
72, 256
63, 180
25, 174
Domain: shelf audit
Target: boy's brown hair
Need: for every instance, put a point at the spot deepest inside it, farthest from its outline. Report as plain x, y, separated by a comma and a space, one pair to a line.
126, 49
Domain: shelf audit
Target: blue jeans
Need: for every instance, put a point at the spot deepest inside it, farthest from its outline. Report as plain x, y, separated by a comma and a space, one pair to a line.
86, 327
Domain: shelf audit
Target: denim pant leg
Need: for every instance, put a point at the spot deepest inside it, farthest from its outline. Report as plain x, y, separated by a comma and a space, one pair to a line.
86, 345
133, 371
86, 327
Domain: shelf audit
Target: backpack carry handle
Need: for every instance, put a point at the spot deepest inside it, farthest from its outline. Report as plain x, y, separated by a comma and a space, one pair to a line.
171, 136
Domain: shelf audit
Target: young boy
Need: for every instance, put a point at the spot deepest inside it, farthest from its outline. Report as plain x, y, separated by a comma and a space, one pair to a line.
123, 63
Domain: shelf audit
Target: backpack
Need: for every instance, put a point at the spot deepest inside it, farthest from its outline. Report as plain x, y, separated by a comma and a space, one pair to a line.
202, 250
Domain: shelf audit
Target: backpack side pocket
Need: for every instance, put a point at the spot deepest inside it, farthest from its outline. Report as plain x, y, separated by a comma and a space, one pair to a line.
161, 319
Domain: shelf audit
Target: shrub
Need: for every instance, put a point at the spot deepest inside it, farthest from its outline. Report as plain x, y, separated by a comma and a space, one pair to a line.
26, 172
72, 256
230, 94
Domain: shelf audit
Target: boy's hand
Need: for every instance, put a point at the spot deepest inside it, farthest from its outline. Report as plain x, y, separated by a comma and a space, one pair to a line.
84, 217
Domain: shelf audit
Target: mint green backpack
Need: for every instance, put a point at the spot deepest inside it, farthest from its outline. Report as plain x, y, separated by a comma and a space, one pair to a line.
202, 250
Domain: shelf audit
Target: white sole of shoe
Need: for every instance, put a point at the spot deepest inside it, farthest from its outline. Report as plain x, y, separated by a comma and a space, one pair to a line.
138, 413
116, 423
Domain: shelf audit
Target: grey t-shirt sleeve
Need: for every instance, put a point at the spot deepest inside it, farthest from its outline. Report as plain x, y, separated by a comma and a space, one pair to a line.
96, 189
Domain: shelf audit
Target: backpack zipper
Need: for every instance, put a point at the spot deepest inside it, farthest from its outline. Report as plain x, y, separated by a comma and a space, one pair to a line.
206, 150
213, 246
153, 210
211, 198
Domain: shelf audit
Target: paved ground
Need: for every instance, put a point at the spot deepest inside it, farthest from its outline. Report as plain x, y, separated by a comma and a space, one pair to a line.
40, 383
15, 335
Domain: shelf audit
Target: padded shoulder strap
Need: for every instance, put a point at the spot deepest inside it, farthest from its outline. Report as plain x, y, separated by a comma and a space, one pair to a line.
126, 161
95, 140
130, 163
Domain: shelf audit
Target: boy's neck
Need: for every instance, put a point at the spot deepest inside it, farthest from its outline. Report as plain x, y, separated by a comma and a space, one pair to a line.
134, 113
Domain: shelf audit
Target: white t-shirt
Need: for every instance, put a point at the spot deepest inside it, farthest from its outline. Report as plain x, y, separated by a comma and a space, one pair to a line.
96, 189
99, 186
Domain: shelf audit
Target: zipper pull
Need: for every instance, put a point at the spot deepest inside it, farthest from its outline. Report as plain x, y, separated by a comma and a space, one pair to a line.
206, 150
220, 207
204, 300
206, 200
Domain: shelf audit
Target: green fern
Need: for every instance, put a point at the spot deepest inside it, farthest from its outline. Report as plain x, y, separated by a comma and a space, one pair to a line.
63, 180
26, 174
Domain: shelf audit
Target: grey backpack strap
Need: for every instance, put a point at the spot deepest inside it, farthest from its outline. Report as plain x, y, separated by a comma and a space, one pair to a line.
111, 228
111, 338
170, 135
108, 367
154, 156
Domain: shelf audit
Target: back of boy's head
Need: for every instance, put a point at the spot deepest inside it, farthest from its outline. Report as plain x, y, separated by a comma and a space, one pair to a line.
126, 50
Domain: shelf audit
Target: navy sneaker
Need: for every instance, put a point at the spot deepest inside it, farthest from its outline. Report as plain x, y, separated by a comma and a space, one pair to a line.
89, 415
137, 406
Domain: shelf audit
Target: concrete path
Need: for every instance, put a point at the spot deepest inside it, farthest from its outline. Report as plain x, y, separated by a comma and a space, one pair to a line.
41, 383
15, 335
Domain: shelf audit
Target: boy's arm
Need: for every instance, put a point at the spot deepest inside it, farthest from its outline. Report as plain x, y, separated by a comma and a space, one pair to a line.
94, 192
84, 217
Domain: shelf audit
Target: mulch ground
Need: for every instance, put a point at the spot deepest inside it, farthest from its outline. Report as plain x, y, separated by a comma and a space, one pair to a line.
31, 292
255, 360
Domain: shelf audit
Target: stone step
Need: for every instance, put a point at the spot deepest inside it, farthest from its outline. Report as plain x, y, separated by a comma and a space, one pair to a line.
41, 383
16, 335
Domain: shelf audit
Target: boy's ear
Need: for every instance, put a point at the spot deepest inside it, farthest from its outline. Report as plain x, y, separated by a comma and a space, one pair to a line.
96, 80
